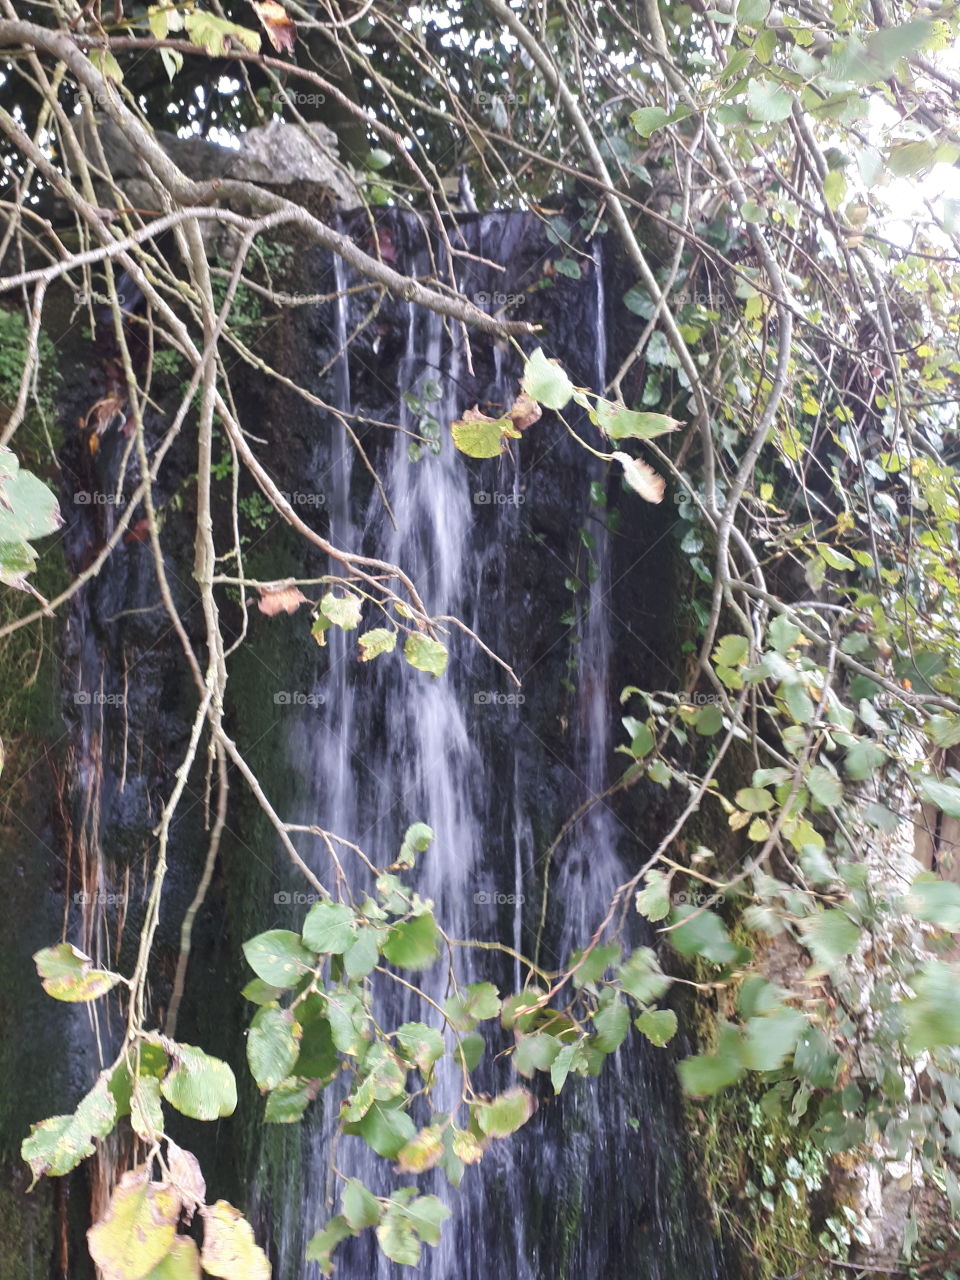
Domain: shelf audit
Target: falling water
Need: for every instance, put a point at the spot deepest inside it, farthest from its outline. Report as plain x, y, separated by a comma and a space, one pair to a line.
577, 1192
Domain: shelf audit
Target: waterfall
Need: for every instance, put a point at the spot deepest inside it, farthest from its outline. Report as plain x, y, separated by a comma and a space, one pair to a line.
581, 1190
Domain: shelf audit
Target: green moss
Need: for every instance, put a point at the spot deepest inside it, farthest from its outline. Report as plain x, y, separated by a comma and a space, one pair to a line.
22, 1225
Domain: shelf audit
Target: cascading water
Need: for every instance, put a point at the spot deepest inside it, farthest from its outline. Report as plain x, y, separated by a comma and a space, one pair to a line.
592, 1185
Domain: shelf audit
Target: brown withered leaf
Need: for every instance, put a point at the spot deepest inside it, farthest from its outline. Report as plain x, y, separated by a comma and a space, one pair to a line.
280, 597
641, 477
280, 28
139, 532
186, 1176
524, 411
105, 412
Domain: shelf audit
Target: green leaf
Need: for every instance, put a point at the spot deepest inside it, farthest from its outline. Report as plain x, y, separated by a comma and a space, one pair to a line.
943, 795
703, 934
329, 928
289, 1100
535, 1052
611, 1025
181, 1263
214, 35
322, 1244
376, 641
944, 730
342, 611
709, 720
863, 759
378, 159
935, 900
199, 1085
799, 703
425, 654
506, 1113
597, 962
568, 267
768, 101
397, 1237
273, 1046
640, 976
423, 1151
752, 13
361, 958
385, 1127
107, 65
426, 1213
468, 1007
417, 839
653, 900
259, 992
825, 787
834, 192
419, 1044
642, 740
138, 1229
230, 1250
658, 1025
412, 944
815, 1059
647, 120
831, 936
361, 1208
57, 1145
172, 60
28, 509
933, 1016
782, 634
546, 381
278, 957
754, 799
481, 437
565, 1061
835, 559
68, 974
731, 651
385, 1070
771, 1038
620, 423
705, 1074
318, 1054
348, 1021
471, 1049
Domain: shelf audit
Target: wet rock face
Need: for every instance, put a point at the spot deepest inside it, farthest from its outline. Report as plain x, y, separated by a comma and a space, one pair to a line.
530, 516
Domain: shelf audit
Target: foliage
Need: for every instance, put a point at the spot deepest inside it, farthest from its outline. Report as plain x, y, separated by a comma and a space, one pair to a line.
793, 378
